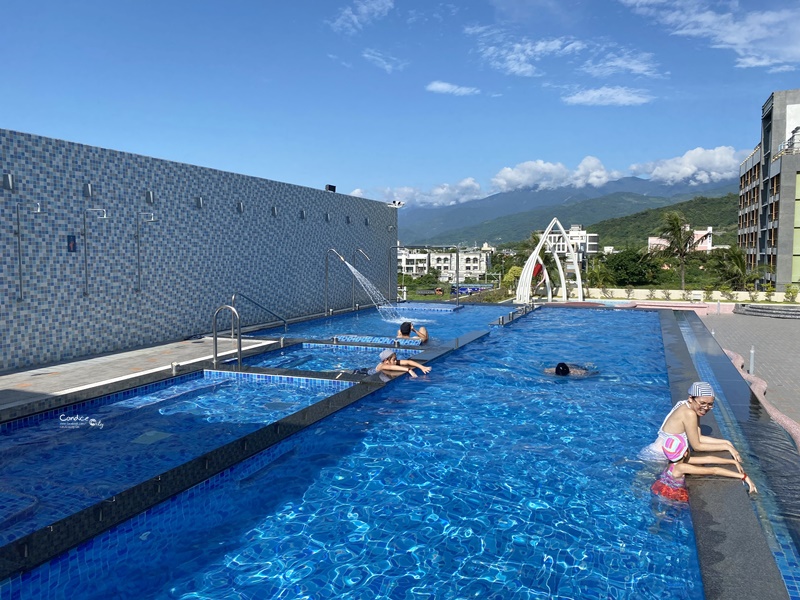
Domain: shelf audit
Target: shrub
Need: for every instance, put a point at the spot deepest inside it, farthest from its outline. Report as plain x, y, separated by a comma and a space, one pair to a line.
667, 294
726, 292
607, 293
629, 291
769, 291
791, 293
686, 295
708, 293
752, 292
651, 294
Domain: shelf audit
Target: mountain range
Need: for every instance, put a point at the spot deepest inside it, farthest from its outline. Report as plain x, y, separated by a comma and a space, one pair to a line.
512, 216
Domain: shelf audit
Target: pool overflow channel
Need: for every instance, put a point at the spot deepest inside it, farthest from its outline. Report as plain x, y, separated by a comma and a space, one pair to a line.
21, 554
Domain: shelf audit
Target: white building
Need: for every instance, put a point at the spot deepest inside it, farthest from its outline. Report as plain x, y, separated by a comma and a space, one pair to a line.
472, 262
582, 241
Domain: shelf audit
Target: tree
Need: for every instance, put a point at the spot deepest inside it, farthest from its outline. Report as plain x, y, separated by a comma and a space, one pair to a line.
512, 276
631, 267
680, 241
730, 266
598, 274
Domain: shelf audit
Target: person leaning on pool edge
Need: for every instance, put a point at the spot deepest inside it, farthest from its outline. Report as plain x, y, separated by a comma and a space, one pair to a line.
405, 332
684, 421
390, 364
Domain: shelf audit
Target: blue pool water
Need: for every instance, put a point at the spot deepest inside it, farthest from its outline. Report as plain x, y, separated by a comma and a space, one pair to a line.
62, 462
323, 357
442, 322
484, 479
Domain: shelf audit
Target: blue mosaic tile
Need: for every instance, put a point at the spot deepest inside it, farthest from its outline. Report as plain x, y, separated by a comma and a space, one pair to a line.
129, 283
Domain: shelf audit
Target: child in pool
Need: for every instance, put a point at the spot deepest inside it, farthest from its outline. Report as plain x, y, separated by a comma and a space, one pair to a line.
672, 482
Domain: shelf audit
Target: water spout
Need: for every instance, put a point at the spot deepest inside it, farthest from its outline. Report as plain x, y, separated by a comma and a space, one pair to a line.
327, 256
355, 254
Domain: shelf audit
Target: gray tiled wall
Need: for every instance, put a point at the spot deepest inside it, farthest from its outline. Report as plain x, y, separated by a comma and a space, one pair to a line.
190, 260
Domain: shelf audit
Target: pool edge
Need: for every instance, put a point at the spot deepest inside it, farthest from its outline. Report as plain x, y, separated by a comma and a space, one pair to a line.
735, 559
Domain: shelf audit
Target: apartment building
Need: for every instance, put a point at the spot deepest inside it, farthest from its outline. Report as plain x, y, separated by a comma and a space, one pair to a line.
584, 243
769, 192
472, 262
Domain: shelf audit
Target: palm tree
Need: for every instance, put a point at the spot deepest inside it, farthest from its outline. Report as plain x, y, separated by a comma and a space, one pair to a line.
730, 265
598, 274
679, 239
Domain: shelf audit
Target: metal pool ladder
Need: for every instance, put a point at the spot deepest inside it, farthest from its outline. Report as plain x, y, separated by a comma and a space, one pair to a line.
259, 305
236, 326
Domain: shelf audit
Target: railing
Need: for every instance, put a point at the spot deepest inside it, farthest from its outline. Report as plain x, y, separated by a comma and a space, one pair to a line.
236, 326
261, 306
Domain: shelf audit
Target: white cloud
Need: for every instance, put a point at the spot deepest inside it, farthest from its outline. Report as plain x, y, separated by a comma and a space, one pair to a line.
345, 64
517, 56
609, 96
760, 38
441, 87
444, 194
384, 61
353, 19
695, 166
622, 61
548, 176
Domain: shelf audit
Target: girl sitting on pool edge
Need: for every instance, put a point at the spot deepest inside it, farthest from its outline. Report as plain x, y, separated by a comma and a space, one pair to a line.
389, 364
672, 482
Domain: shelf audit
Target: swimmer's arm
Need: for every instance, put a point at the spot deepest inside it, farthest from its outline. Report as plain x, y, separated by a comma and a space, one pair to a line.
413, 365
703, 443
690, 469
725, 444
714, 460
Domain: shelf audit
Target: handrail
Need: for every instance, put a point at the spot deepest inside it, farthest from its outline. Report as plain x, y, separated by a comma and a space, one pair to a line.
237, 325
261, 306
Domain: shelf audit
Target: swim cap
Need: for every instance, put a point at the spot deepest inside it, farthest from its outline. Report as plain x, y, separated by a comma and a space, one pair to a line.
674, 447
562, 369
386, 354
701, 388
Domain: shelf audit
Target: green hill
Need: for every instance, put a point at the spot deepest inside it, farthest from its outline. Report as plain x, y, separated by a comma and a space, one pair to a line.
701, 212
519, 226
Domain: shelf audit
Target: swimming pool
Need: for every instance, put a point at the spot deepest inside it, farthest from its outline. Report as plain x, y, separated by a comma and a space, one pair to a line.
323, 357
442, 321
486, 478
59, 463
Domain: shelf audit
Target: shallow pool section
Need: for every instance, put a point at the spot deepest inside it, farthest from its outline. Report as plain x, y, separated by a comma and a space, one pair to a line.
65, 461
324, 357
443, 324
486, 478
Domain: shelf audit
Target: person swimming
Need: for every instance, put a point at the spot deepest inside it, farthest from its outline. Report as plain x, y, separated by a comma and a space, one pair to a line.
405, 332
390, 364
565, 370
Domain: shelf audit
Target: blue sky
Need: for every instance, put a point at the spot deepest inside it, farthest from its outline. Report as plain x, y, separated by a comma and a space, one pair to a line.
416, 100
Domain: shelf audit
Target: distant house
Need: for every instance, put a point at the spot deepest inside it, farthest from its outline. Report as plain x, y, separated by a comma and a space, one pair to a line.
657, 243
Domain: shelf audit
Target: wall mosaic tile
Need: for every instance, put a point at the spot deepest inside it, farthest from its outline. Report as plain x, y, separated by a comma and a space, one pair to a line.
74, 285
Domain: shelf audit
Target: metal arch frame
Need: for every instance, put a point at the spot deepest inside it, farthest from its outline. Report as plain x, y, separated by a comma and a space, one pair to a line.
524, 285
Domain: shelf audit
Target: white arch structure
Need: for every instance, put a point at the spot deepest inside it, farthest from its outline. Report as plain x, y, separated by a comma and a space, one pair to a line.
524, 285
